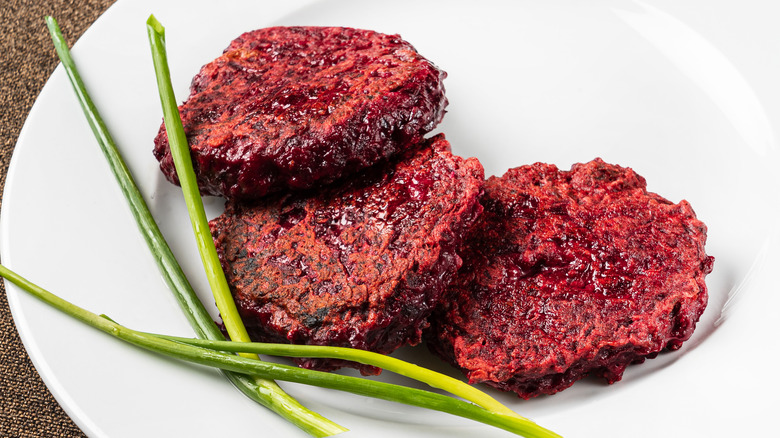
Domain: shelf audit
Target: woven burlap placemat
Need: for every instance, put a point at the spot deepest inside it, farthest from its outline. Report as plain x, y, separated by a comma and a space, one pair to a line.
27, 408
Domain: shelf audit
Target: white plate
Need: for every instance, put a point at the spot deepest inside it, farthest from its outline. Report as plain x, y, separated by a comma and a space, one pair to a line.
686, 94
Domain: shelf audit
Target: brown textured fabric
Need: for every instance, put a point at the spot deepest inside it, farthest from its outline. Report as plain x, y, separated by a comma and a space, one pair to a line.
27, 58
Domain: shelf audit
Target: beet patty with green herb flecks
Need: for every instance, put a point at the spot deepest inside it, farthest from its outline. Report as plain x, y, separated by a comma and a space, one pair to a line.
571, 273
296, 107
357, 264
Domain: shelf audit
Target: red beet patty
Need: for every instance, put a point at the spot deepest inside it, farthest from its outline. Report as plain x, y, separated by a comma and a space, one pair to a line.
357, 264
570, 273
295, 107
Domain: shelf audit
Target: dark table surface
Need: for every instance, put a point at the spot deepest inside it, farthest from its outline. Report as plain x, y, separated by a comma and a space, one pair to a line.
27, 408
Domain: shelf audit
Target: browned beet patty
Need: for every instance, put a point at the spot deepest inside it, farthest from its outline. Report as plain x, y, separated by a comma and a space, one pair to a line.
295, 107
570, 273
358, 264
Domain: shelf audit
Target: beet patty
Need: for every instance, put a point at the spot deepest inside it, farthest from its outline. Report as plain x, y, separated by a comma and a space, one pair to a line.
293, 107
570, 273
360, 264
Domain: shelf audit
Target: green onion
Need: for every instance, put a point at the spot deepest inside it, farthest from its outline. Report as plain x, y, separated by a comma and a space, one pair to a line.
180, 151
266, 393
355, 385
172, 273
432, 378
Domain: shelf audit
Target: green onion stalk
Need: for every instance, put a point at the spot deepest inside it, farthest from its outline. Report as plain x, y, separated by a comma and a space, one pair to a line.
431, 378
182, 160
262, 391
226, 361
